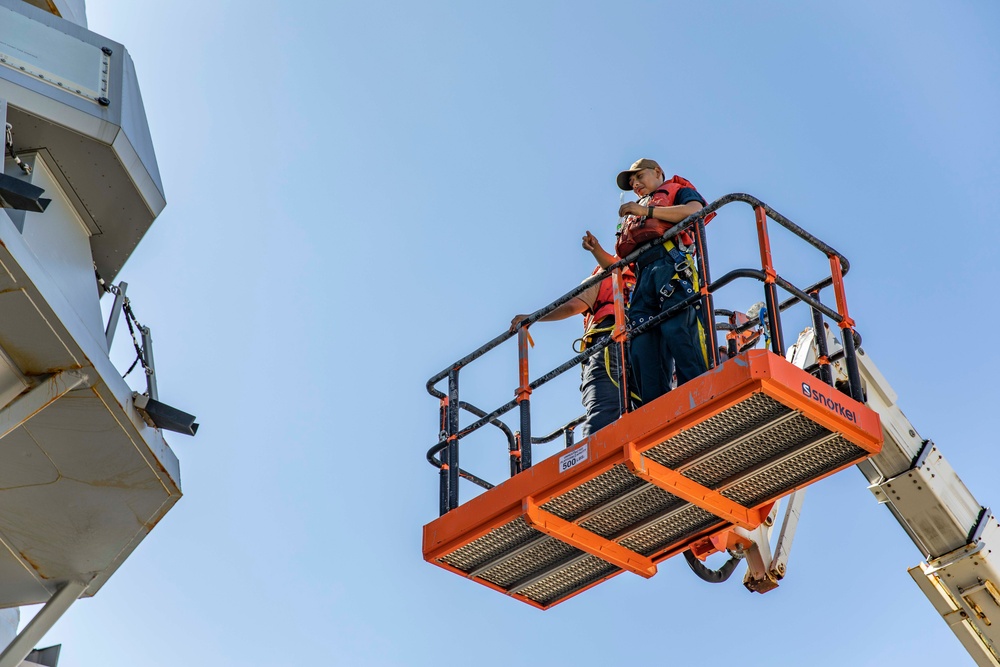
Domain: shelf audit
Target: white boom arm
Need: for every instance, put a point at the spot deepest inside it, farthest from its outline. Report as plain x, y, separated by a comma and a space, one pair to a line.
954, 533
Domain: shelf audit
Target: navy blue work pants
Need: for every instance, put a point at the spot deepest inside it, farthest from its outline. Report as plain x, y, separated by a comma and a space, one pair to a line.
673, 345
599, 392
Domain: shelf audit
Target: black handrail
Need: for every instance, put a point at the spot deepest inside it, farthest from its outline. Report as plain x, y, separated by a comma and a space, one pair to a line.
810, 296
670, 233
565, 428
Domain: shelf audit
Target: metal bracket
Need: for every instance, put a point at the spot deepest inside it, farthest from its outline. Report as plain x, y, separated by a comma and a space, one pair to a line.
758, 556
37, 399
787, 533
937, 564
687, 489
116, 311
584, 540
147, 353
922, 455
976, 532
765, 570
43, 621
986, 585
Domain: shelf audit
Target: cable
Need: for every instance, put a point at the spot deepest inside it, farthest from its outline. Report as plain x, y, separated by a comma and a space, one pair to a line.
706, 573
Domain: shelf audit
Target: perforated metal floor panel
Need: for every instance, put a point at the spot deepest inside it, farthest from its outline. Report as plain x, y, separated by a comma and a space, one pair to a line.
748, 430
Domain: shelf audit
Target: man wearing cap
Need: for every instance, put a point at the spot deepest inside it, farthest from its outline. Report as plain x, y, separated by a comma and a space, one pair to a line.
666, 275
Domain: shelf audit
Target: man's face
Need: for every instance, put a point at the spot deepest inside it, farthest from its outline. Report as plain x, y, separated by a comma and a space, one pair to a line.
645, 181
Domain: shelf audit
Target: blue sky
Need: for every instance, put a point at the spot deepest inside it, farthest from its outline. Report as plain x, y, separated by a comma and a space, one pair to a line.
360, 193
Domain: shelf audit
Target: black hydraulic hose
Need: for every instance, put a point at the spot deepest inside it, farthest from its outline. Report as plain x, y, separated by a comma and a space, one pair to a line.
559, 431
706, 573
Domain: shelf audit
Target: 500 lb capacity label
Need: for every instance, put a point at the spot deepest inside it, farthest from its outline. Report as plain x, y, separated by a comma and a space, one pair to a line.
573, 458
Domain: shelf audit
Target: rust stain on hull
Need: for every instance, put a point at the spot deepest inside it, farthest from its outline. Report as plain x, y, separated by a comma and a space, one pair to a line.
33, 564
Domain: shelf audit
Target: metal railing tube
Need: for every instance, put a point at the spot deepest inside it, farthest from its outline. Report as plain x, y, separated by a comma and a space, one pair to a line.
778, 218
805, 298
578, 359
851, 359
819, 327
523, 397
774, 319
452, 455
568, 426
487, 418
495, 422
708, 304
791, 301
729, 277
770, 291
525, 416
836, 356
464, 474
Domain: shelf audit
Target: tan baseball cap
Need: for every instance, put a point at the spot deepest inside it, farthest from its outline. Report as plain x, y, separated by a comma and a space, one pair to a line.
638, 165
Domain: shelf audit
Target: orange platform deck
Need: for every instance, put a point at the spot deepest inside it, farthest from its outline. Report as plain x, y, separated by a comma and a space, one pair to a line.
699, 460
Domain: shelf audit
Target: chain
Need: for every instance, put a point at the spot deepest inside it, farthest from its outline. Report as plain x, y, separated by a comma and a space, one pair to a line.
139, 356
103, 284
130, 319
9, 144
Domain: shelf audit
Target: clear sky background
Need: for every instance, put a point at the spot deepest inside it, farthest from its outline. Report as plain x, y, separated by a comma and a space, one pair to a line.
360, 193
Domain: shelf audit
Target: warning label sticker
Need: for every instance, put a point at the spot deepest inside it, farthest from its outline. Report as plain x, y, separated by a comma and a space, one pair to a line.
573, 458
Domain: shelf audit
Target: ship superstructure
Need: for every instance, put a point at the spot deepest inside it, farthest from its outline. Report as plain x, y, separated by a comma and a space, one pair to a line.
85, 472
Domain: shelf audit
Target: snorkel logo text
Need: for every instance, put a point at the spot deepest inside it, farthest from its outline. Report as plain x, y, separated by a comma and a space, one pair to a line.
828, 402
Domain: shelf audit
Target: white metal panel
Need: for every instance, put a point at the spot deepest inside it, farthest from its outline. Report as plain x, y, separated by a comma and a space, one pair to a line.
61, 241
964, 587
930, 500
89, 479
103, 146
902, 441
938, 508
12, 381
29, 337
48, 302
23, 463
9, 620
55, 57
72, 10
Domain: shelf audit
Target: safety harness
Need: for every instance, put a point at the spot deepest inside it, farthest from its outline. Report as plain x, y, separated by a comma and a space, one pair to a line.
604, 305
637, 230
604, 308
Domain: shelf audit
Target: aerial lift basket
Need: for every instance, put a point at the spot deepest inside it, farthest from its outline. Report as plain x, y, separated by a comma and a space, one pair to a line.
680, 473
